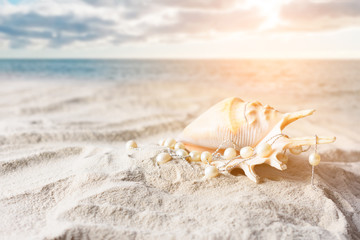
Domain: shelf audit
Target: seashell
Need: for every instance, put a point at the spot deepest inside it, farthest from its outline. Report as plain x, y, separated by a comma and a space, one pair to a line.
246, 124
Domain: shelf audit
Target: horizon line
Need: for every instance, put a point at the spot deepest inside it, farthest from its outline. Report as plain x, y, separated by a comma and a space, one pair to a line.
173, 58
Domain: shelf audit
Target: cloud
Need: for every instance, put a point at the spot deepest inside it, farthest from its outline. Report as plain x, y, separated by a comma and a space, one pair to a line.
21, 28
199, 22
60, 23
306, 15
133, 9
19, 43
190, 4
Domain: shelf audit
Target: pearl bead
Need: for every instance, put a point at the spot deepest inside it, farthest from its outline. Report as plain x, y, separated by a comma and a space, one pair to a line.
264, 149
230, 153
211, 172
206, 157
170, 143
131, 145
161, 142
163, 158
314, 159
296, 150
181, 153
282, 157
246, 152
195, 156
179, 145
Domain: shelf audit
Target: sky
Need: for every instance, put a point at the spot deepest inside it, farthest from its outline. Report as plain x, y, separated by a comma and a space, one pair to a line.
180, 29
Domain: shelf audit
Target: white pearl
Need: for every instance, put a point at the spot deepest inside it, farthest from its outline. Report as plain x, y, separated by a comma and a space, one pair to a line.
170, 143
181, 153
161, 142
211, 172
314, 159
195, 156
282, 157
246, 152
206, 157
131, 145
264, 150
163, 158
230, 153
296, 150
179, 145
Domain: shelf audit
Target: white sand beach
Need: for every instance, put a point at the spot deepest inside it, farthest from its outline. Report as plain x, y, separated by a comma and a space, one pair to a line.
65, 174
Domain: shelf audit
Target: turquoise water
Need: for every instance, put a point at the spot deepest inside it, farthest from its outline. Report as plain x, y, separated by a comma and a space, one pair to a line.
105, 70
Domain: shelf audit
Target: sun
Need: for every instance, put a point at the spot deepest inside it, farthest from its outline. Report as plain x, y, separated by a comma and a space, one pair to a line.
270, 10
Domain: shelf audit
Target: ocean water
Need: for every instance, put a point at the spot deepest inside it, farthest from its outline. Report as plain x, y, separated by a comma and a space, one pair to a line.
108, 70
331, 85
337, 75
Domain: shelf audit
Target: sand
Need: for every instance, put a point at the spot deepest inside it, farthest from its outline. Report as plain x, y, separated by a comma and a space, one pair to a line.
65, 174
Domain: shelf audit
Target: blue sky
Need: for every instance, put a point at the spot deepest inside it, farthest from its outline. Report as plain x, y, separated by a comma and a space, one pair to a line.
180, 29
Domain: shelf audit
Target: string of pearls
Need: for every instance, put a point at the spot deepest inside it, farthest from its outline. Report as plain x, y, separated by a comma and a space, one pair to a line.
176, 150
314, 160
248, 153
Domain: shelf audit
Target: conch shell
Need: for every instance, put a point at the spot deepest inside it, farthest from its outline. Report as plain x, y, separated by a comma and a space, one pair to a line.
246, 124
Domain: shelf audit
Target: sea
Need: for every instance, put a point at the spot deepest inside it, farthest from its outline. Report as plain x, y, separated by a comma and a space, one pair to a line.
339, 75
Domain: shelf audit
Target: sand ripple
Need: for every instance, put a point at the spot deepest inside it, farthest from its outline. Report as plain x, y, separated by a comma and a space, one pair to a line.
64, 173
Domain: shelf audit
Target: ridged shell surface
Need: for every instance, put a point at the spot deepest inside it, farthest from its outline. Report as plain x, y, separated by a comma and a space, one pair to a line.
244, 123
